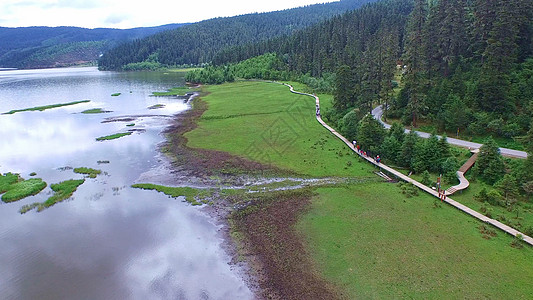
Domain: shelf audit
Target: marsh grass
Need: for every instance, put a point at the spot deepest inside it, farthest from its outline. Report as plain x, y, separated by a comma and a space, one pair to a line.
92, 173
174, 92
42, 108
113, 136
22, 189
95, 111
6, 180
156, 106
116, 94
193, 196
63, 190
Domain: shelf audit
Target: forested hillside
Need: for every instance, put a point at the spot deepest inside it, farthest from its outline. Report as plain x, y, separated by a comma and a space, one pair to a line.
34, 47
200, 42
462, 65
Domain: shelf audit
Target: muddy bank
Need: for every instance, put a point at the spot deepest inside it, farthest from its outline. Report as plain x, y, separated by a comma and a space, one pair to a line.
258, 227
280, 267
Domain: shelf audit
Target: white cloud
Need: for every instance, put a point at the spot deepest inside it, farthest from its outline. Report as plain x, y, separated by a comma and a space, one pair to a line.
129, 13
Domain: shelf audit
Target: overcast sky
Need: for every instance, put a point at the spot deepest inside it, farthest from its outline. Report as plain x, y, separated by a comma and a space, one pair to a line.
130, 13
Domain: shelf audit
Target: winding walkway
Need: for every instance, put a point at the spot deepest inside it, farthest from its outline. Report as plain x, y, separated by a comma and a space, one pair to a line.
463, 182
377, 113
403, 177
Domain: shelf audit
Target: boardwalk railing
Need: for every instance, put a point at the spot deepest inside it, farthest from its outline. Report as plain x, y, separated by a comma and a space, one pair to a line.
403, 177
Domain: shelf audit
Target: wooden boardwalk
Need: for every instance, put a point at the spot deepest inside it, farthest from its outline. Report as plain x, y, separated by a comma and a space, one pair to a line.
463, 182
425, 188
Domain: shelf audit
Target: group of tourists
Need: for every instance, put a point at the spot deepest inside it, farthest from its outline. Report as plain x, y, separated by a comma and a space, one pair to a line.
357, 148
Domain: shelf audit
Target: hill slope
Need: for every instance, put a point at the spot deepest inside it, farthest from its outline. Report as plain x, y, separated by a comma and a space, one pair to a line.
35, 47
199, 42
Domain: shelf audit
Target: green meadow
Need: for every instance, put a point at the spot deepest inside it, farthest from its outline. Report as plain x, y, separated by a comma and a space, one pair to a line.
373, 242
264, 122
367, 239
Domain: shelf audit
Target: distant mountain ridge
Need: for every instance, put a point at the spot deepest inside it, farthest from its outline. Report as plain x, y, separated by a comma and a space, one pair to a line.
200, 42
44, 47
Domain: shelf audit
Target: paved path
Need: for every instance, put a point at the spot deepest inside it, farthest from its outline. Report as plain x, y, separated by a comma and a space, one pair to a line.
378, 113
403, 177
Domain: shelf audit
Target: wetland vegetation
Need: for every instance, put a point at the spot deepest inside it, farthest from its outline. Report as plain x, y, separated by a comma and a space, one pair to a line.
45, 107
15, 188
95, 111
92, 173
113, 136
62, 191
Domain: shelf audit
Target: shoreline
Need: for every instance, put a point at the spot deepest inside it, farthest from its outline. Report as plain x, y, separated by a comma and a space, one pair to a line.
248, 250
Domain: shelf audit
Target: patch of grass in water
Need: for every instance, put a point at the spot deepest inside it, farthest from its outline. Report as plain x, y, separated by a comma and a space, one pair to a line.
95, 111
41, 108
116, 94
131, 125
190, 194
63, 190
6, 180
21, 188
92, 173
174, 92
157, 106
113, 136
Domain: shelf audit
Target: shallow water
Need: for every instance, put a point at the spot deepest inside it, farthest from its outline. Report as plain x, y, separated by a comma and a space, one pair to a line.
108, 241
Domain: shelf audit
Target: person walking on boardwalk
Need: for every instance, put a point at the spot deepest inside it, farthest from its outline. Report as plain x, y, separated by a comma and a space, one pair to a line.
378, 159
354, 143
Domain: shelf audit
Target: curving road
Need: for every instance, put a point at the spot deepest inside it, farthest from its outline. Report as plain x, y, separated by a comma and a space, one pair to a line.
377, 113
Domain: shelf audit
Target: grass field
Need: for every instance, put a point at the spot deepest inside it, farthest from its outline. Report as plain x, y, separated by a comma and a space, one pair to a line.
375, 243
368, 239
264, 122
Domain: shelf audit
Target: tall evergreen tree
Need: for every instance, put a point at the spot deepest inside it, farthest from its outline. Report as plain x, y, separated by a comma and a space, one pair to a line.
415, 56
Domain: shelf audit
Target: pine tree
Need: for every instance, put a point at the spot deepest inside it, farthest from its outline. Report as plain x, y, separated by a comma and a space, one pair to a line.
370, 134
409, 146
490, 165
343, 95
415, 56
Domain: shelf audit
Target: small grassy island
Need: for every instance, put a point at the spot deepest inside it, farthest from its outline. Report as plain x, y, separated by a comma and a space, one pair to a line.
42, 108
92, 173
156, 106
116, 94
113, 136
95, 111
174, 92
15, 188
63, 191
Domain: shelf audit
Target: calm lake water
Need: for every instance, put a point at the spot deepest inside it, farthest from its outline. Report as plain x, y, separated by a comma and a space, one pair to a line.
108, 241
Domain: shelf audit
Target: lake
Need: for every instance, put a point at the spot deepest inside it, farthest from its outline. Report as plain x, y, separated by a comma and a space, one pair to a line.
109, 241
